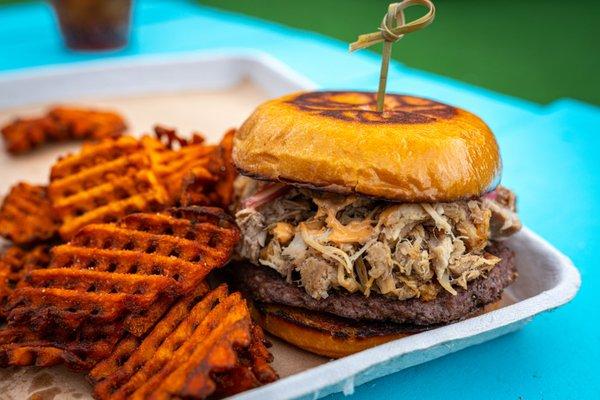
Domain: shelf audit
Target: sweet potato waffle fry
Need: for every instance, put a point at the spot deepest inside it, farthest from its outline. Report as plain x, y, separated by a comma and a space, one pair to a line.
93, 154
211, 184
61, 124
129, 272
22, 135
15, 264
104, 182
179, 157
79, 350
88, 124
252, 369
26, 215
194, 173
130, 344
172, 140
22, 345
198, 337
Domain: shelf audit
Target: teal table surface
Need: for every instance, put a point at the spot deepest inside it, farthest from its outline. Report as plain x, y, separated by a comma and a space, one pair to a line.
551, 159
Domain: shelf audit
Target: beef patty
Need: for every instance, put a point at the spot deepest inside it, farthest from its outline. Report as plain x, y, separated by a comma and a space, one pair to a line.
265, 285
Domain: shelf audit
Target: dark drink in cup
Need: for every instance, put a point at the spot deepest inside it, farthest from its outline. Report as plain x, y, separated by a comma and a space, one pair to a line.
94, 24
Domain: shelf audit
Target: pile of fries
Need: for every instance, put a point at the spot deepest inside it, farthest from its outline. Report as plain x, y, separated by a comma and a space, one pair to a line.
60, 124
107, 271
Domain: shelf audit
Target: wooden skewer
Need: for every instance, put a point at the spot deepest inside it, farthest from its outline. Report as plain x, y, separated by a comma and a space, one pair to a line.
388, 34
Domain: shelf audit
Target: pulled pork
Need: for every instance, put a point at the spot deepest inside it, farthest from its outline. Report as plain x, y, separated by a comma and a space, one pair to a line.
326, 240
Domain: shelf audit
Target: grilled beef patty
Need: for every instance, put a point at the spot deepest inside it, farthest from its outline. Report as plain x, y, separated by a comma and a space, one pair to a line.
265, 285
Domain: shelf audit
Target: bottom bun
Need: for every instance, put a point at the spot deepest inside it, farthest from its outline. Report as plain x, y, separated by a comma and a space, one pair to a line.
332, 336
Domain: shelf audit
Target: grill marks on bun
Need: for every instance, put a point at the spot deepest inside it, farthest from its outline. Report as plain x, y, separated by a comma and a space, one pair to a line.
417, 150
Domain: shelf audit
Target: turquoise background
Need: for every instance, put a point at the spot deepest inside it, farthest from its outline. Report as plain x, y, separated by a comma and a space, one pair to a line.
551, 157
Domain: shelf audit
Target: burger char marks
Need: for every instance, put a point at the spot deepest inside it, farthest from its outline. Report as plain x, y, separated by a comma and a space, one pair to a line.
399, 109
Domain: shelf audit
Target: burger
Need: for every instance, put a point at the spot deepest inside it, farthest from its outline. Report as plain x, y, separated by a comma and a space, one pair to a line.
360, 227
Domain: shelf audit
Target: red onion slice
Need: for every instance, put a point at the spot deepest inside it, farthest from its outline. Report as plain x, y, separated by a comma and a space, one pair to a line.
267, 194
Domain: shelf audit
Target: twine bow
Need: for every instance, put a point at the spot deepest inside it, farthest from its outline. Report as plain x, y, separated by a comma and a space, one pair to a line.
388, 34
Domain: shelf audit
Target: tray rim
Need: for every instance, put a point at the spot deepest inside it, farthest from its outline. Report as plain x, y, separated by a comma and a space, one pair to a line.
141, 74
276, 77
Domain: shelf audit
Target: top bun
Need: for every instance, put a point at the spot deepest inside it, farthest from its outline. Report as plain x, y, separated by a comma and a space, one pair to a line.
417, 150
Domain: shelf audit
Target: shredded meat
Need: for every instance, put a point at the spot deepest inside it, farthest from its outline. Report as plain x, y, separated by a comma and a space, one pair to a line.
502, 204
255, 235
328, 241
266, 286
317, 276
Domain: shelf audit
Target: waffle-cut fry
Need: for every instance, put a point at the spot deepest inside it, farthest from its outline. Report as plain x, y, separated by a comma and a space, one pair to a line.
157, 348
61, 124
172, 140
113, 178
210, 348
103, 183
97, 175
15, 264
20, 346
165, 327
37, 354
128, 273
80, 348
26, 216
237, 379
38, 307
77, 339
213, 184
93, 154
227, 171
111, 201
259, 357
22, 135
142, 291
172, 167
198, 337
92, 281
88, 124
183, 244
251, 371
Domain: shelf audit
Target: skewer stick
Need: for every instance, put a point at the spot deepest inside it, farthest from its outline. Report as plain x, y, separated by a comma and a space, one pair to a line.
388, 34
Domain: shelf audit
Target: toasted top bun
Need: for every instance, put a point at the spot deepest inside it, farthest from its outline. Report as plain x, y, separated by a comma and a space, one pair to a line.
417, 150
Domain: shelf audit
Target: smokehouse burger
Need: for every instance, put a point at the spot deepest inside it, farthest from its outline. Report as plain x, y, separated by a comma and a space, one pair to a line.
360, 227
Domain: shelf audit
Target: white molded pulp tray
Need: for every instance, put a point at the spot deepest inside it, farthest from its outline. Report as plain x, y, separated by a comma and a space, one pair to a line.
210, 92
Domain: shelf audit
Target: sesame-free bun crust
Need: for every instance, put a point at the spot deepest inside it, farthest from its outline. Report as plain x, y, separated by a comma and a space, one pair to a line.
418, 150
